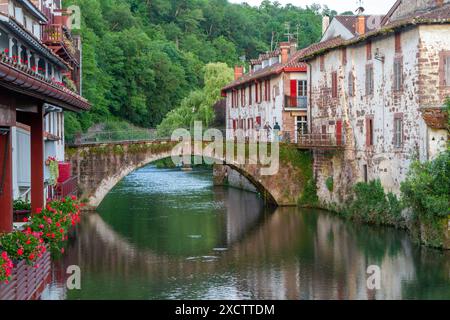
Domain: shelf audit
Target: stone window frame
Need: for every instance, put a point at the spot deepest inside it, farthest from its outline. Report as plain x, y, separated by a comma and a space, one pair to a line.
351, 84
398, 59
370, 85
334, 85
444, 68
370, 135
397, 117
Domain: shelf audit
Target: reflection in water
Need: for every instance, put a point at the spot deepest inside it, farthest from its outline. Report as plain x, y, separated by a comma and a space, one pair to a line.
166, 234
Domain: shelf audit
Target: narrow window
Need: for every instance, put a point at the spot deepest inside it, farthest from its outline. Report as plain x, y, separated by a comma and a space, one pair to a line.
369, 132
366, 173
344, 56
369, 80
250, 98
398, 131
351, 85
256, 92
398, 43
260, 91
322, 63
334, 90
302, 88
446, 70
398, 77
369, 50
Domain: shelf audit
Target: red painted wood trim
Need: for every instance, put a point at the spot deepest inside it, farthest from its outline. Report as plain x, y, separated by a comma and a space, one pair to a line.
6, 198
37, 159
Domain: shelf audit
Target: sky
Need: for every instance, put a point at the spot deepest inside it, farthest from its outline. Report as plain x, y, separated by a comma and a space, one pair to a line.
371, 6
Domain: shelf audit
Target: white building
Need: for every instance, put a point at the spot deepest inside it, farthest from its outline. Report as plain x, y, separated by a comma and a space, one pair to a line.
273, 91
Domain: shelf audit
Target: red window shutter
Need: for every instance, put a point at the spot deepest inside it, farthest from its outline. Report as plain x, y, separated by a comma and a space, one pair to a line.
258, 120
250, 102
294, 86
398, 42
268, 90
369, 50
256, 93
339, 132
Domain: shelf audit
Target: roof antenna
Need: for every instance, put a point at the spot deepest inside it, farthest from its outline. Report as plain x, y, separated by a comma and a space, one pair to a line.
360, 9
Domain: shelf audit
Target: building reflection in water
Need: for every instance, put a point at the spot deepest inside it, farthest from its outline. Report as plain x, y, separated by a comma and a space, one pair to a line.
287, 254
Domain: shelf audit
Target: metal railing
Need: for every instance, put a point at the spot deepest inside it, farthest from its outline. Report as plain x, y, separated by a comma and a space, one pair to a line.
296, 102
63, 189
99, 137
319, 140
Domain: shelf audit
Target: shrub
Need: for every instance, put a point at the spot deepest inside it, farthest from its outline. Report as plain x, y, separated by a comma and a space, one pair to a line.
55, 221
309, 196
330, 184
427, 192
20, 205
23, 245
6, 267
372, 205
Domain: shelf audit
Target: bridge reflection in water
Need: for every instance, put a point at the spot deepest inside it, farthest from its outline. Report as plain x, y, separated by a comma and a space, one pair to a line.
286, 254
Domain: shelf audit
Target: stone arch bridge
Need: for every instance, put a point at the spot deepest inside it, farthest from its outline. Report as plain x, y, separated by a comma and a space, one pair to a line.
99, 167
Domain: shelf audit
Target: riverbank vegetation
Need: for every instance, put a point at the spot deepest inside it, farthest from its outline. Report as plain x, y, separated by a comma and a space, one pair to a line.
47, 229
142, 58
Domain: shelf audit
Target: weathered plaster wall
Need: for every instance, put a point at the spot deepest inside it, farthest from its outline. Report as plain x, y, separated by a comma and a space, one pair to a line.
383, 160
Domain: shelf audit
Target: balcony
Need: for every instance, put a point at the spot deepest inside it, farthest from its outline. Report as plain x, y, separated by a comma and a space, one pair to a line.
63, 189
320, 141
295, 103
58, 38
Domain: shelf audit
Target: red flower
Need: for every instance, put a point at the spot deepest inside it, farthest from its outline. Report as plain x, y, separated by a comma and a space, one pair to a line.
62, 250
74, 198
25, 219
20, 252
31, 257
39, 210
61, 230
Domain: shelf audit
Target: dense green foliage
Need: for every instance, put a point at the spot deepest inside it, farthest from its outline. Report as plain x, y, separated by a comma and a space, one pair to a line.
198, 105
370, 204
142, 58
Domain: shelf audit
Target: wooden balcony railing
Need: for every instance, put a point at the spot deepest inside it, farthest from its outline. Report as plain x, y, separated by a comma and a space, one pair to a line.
54, 34
295, 102
27, 282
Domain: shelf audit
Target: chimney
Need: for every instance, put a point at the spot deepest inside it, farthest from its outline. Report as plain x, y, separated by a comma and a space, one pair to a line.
293, 47
325, 24
285, 48
238, 72
361, 25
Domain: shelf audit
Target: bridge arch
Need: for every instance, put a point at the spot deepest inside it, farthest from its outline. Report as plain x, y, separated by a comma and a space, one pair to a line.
99, 167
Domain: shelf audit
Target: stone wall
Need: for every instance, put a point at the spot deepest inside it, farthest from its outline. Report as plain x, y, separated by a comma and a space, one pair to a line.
226, 176
100, 167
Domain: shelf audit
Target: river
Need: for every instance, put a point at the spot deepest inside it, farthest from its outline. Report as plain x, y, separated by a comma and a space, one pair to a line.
168, 234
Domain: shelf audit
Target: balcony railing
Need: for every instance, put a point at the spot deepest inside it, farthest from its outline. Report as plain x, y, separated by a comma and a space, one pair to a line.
63, 190
296, 102
55, 34
320, 141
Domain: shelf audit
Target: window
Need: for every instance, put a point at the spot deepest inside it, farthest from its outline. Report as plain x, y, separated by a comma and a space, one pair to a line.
369, 132
444, 68
243, 97
334, 87
398, 43
322, 63
398, 131
302, 125
302, 87
398, 75
344, 56
369, 80
256, 93
351, 84
366, 173
447, 70
369, 50
250, 97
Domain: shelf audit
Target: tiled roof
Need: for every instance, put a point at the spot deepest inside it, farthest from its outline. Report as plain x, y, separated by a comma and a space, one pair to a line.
349, 22
274, 69
437, 16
